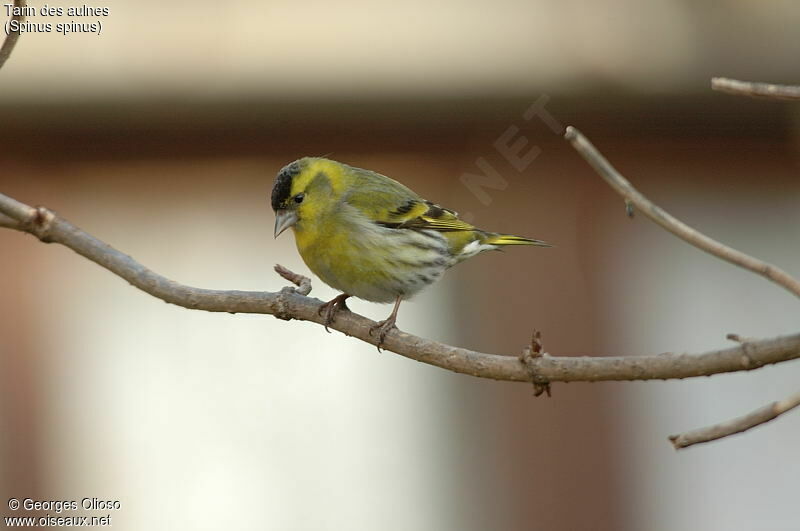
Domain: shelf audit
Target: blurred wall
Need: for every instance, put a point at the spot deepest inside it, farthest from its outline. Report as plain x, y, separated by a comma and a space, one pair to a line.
369, 48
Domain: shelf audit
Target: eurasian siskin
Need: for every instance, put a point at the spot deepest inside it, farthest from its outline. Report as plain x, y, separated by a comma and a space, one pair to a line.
369, 236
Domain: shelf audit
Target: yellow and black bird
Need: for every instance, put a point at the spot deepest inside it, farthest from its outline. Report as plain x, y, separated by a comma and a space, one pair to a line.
369, 236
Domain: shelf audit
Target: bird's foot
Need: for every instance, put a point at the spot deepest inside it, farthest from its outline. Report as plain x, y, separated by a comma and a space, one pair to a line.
332, 307
382, 328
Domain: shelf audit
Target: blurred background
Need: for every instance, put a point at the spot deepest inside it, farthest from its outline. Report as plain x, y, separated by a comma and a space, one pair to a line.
162, 136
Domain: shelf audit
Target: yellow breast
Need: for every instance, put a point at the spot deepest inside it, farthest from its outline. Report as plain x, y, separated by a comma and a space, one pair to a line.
368, 261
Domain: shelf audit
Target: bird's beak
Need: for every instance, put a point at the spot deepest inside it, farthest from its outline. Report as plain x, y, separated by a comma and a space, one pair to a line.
283, 220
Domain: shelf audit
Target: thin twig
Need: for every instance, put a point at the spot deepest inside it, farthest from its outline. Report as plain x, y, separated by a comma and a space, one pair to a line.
13, 36
675, 226
755, 89
303, 283
49, 227
737, 425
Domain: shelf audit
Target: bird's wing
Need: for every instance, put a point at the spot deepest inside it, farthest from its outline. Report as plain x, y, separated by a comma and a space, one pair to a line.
389, 203
434, 217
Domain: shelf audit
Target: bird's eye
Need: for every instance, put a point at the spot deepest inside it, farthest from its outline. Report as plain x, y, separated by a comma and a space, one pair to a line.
299, 198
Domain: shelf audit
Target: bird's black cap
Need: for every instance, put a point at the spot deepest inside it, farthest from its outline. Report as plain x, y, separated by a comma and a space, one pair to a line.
283, 184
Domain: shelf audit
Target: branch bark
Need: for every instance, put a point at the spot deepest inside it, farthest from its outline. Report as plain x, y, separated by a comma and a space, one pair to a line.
290, 304
11, 39
756, 90
737, 425
680, 229
8, 223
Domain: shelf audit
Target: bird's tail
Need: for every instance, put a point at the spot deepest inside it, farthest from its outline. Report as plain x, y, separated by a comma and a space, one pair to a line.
508, 239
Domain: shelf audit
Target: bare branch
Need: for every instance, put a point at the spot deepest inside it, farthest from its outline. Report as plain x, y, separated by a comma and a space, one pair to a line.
737, 425
756, 90
288, 304
12, 37
675, 226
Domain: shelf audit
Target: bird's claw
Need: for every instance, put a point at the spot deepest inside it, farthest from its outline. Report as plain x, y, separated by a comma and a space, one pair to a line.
331, 308
382, 328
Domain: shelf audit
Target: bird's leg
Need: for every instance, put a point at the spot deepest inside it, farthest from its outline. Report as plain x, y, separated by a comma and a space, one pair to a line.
330, 308
384, 326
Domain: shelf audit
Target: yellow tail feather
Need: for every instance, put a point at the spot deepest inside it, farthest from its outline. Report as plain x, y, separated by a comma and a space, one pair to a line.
508, 239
